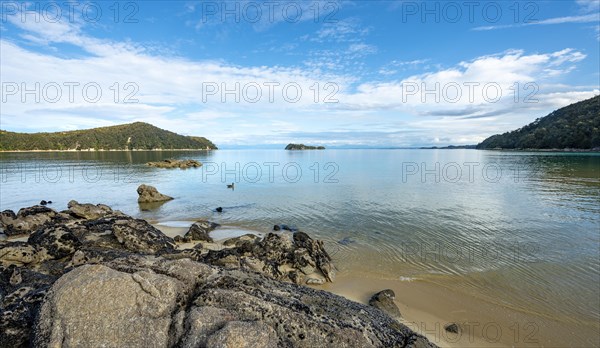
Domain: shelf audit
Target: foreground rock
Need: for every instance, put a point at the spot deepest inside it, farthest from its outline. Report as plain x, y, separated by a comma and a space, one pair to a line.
171, 163
188, 304
117, 281
149, 194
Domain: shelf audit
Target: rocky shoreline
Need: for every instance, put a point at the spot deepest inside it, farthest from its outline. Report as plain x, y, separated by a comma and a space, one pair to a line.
91, 276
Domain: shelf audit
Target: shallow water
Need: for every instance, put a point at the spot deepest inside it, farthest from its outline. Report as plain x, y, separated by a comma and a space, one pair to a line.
517, 229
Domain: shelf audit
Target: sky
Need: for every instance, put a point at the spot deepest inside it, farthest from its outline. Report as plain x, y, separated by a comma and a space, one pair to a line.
266, 73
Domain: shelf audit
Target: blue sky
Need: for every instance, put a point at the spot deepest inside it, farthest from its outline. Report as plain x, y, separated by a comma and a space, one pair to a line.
362, 68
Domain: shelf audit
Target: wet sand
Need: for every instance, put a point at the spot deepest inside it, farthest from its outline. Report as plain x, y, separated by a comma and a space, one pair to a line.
427, 307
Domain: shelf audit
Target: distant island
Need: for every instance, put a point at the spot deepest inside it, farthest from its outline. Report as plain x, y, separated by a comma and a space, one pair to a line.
303, 147
575, 127
133, 136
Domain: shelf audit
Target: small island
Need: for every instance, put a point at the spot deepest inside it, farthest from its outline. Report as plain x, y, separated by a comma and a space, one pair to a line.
303, 147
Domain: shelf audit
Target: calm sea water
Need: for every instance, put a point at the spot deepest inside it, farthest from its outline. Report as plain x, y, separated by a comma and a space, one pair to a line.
520, 229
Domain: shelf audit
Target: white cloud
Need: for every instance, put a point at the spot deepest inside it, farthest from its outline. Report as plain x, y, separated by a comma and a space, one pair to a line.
170, 93
346, 30
589, 10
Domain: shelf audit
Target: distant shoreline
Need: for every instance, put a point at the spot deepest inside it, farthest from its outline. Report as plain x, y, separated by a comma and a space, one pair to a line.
111, 150
544, 150
276, 149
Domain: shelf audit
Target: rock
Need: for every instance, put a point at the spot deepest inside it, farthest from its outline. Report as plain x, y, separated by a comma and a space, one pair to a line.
384, 300
237, 241
317, 252
118, 281
219, 209
27, 220
43, 202
203, 322
95, 306
57, 241
284, 228
3, 237
200, 231
147, 301
149, 194
274, 255
452, 327
244, 334
17, 253
88, 211
15, 278
139, 236
315, 281
170, 163
180, 239
301, 316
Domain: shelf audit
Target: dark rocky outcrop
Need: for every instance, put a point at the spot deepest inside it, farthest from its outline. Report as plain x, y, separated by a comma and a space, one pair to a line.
171, 163
26, 220
117, 281
384, 300
452, 328
283, 227
277, 256
200, 231
303, 147
149, 194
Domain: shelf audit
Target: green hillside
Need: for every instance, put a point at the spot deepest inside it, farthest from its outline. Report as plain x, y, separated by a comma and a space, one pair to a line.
138, 135
576, 126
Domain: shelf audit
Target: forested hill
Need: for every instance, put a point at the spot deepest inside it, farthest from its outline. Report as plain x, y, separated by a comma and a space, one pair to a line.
576, 126
138, 136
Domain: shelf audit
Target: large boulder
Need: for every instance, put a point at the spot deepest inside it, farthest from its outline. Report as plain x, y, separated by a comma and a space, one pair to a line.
244, 334
149, 194
96, 306
149, 301
88, 211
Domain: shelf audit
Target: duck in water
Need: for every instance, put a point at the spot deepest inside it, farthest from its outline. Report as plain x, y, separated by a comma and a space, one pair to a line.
232, 186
